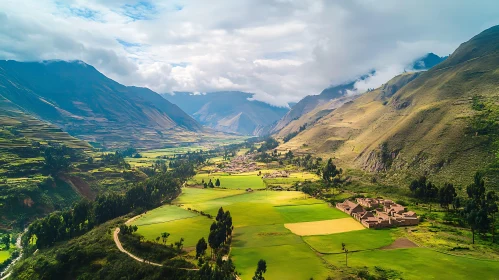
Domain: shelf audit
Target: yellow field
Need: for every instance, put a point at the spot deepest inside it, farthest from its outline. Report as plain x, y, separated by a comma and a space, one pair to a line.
324, 227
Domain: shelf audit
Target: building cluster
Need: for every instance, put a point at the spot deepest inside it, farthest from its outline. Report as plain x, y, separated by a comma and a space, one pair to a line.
277, 174
239, 164
382, 213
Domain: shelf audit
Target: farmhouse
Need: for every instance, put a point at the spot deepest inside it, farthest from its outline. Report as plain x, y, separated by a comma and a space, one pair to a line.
386, 214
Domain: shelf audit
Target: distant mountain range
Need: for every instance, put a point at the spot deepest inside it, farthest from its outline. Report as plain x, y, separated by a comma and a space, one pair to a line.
441, 123
229, 111
333, 97
83, 102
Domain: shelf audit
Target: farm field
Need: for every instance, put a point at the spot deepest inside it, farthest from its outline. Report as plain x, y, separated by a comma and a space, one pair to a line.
4, 255
418, 263
324, 227
356, 240
259, 232
191, 229
262, 221
236, 181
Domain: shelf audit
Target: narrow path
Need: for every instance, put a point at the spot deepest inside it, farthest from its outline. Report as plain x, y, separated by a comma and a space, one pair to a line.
120, 247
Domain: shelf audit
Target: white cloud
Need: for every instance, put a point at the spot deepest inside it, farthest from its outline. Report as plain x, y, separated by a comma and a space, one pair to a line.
281, 50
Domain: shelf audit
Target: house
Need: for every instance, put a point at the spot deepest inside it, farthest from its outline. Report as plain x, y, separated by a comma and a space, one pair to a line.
368, 202
350, 207
387, 214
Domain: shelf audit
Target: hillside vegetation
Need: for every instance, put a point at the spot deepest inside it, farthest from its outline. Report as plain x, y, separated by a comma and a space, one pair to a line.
426, 127
83, 102
313, 107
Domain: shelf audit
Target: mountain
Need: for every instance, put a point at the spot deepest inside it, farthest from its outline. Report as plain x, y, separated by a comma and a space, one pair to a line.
311, 102
228, 111
442, 123
80, 100
335, 96
428, 61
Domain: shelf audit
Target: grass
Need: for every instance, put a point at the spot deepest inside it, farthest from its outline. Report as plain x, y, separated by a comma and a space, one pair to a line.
191, 229
4, 255
192, 195
309, 213
294, 261
163, 214
231, 181
355, 240
263, 236
418, 263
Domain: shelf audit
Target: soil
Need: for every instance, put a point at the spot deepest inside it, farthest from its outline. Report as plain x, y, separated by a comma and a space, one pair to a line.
400, 244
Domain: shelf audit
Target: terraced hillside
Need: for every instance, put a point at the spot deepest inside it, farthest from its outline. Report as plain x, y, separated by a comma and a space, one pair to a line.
83, 102
28, 188
443, 123
21, 192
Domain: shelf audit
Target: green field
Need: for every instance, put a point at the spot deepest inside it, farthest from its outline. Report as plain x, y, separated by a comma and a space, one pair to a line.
164, 214
191, 229
4, 255
259, 233
236, 181
420, 263
294, 261
309, 213
355, 240
191, 195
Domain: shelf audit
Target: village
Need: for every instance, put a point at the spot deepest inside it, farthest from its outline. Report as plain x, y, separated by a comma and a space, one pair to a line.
383, 213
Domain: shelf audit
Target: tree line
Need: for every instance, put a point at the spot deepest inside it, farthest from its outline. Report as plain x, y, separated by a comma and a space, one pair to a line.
477, 209
85, 215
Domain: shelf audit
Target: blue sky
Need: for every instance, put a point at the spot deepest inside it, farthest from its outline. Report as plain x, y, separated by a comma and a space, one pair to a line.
282, 50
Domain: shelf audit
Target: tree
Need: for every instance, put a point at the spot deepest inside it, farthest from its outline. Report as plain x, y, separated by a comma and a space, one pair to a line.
446, 195
476, 211
491, 202
424, 190
164, 236
260, 270
329, 172
6, 241
180, 244
201, 247
345, 250
217, 182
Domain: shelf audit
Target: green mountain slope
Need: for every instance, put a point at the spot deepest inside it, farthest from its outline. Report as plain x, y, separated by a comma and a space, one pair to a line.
229, 111
429, 126
312, 107
80, 100
24, 191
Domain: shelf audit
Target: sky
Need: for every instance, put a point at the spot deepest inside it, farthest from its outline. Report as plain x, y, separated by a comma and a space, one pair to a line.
281, 50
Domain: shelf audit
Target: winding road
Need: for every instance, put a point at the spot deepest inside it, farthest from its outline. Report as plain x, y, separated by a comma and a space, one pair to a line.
120, 247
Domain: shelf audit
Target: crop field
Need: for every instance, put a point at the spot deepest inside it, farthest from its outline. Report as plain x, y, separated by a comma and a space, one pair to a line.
419, 263
4, 255
164, 214
309, 213
178, 222
236, 181
324, 227
356, 240
301, 237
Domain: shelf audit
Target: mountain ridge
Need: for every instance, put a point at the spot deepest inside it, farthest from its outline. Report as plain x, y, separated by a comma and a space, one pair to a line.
82, 101
229, 111
425, 128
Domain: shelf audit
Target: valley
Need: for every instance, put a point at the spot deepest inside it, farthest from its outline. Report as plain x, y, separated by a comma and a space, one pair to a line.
312, 159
